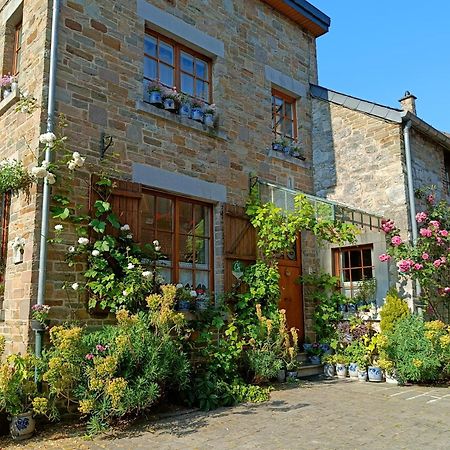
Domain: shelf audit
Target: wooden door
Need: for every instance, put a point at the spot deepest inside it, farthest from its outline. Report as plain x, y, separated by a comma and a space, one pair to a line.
290, 268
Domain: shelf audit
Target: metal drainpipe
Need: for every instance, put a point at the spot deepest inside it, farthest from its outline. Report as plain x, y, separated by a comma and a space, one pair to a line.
47, 157
412, 203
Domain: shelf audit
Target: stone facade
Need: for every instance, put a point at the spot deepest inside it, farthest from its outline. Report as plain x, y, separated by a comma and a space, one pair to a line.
100, 90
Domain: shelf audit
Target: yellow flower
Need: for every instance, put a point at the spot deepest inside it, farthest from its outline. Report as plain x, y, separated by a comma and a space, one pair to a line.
40, 405
116, 390
417, 362
2, 344
96, 384
258, 312
86, 406
105, 366
430, 335
435, 325
445, 340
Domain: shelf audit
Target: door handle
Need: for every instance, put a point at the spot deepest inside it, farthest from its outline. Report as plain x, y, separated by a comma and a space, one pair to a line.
287, 272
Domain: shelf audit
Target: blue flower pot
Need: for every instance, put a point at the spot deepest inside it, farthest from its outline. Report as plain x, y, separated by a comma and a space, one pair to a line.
341, 370
185, 110
155, 98
208, 120
307, 347
362, 375
328, 370
314, 359
169, 104
375, 374
353, 370
197, 114
183, 305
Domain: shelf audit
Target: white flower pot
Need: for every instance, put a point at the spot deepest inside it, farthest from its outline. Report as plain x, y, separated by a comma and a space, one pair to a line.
362, 375
353, 371
22, 426
375, 374
341, 370
328, 370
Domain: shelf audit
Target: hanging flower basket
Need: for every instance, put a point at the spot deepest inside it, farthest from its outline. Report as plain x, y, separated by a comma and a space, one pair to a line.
14, 177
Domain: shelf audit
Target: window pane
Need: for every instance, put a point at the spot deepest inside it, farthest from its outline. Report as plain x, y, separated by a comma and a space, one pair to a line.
166, 52
356, 274
355, 258
186, 279
202, 253
201, 69
187, 84
166, 273
287, 128
202, 280
187, 62
164, 214
148, 210
346, 274
288, 110
186, 219
166, 75
150, 69
186, 250
201, 89
368, 273
150, 45
166, 243
346, 260
201, 218
367, 257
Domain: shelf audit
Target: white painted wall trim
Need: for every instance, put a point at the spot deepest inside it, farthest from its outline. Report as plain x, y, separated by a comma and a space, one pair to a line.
9, 10
285, 83
178, 183
179, 30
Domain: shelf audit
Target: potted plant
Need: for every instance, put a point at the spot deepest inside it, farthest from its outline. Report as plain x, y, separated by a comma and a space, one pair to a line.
202, 300
296, 152
39, 314
197, 109
280, 144
328, 365
362, 368
170, 97
341, 361
355, 352
155, 91
185, 103
388, 368
6, 82
314, 353
209, 115
374, 370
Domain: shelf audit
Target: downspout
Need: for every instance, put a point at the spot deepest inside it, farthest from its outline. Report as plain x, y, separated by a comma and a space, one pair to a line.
47, 158
412, 203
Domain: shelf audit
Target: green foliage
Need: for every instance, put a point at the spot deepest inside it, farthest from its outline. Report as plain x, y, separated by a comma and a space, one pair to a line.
420, 350
356, 352
14, 177
367, 289
263, 364
394, 309
326, 295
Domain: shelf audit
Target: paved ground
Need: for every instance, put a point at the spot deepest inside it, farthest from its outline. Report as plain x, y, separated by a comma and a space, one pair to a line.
312, 415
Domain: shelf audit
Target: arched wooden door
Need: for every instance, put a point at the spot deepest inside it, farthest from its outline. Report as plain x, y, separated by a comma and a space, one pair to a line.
291, 300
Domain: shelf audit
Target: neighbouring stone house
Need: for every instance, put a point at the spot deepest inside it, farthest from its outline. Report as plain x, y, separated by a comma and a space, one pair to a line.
253, 59
360, 158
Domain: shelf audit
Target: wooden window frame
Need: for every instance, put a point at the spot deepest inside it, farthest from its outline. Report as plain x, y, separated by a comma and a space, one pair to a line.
293, 102
338, 268
17, 48
175, 269
177, 49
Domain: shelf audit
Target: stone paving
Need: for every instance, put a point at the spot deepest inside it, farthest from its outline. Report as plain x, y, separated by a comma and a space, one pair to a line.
327, 414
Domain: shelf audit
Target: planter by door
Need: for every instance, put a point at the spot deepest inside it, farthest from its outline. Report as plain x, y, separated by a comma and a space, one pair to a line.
292, 374
169, 104
197, 114
375, 374
353, 371
328, 370
183, 305
362, 375
341, 370
185, 110
155, 98
22, 426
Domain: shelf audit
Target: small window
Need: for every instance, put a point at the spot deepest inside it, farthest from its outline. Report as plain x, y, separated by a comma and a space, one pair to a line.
353, 265
13, 44
175, 65
17, 49
284, 117
447, 173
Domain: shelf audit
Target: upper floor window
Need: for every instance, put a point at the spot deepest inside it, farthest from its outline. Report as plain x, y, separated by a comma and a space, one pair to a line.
175, 65
284, 117
17, 49
447, 173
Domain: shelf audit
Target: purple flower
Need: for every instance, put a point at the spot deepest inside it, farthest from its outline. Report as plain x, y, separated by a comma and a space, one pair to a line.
100, 348
89, 356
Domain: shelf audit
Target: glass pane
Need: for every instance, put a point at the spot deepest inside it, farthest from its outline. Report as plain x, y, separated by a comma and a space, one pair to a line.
346, 274
278, 125
150, 45
186, 279
164, 209
187, 84
202, 281
288, 127
288, 110
201, 69
186, 251
150, 69
202, 253
201, 89
367, 257
278, 104
368, 273
187, 62
166, 243
148, 211
346, 260
166, 52
166, 75
166, 274
356, 274
355, 258
201, 218
186, 219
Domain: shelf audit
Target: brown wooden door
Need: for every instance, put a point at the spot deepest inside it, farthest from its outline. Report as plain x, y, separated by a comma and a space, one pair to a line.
290, 268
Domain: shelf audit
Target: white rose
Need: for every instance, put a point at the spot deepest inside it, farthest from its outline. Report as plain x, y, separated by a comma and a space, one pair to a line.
71, 165
146, 274
83, 241
39, 172
59, 227
75, 155
129, 236
156, 243
124, 293
125, 227
79, 162
75, 286
47, 138
193, 294
95, 253
50, 178
179, 286
71, 249
130, 266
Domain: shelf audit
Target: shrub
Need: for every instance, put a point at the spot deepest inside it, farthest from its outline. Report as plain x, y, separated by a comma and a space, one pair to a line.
394, 309
263, 364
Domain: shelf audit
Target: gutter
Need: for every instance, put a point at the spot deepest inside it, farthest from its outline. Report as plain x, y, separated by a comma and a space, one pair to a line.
42, 275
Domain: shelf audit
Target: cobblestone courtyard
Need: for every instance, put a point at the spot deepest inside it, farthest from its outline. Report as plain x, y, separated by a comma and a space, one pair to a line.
312, 415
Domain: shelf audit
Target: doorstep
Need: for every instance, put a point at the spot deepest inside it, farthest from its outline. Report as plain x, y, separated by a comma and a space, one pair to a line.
309, 370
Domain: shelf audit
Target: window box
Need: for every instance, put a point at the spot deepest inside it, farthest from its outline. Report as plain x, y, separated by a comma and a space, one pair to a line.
9, 100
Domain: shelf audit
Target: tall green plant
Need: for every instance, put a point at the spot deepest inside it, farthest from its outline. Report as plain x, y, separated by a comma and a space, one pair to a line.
393, 310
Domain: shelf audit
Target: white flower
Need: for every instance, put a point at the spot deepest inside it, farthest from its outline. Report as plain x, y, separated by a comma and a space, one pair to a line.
124, 293
83, 241
50, 178
155, 243
146, 273
95, 253
59, 227
79, 162
71, 249
47, 139
75, 286
125, 227
157, 248
75, 155
193, 293
130, 266
129, 236
179, 286
45, 164
39, 172
71, 165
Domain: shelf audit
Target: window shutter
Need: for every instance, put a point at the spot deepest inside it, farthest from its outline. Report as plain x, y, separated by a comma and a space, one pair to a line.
239, 241
125, 200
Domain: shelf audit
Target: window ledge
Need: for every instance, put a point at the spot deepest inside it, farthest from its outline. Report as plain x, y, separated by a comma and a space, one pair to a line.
183, 121
8, 101
289, 159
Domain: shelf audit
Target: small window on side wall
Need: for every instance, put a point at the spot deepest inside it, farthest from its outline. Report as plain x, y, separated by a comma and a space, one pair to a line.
175, 65
447, 174
12, 56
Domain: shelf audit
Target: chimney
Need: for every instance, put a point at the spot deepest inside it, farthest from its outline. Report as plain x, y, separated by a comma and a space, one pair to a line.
408, 102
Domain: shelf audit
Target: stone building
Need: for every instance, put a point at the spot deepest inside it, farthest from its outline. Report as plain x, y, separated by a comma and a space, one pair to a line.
360, 153
253, 59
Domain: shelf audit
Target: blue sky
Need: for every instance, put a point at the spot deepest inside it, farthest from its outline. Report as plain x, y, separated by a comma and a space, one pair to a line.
379, 49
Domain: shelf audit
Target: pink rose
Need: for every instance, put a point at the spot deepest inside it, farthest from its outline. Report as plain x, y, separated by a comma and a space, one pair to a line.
435, 224
425, 232
387, 225
89, 356
418, 266
443, 233
443, 259
425, 256
405, 265
421, 217
430, 198
100, 348
447, 290
437, 263
396, 241
384, 257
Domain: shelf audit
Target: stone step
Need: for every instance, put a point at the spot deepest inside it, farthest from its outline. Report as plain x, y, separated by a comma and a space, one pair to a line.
310, 370
302, 357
